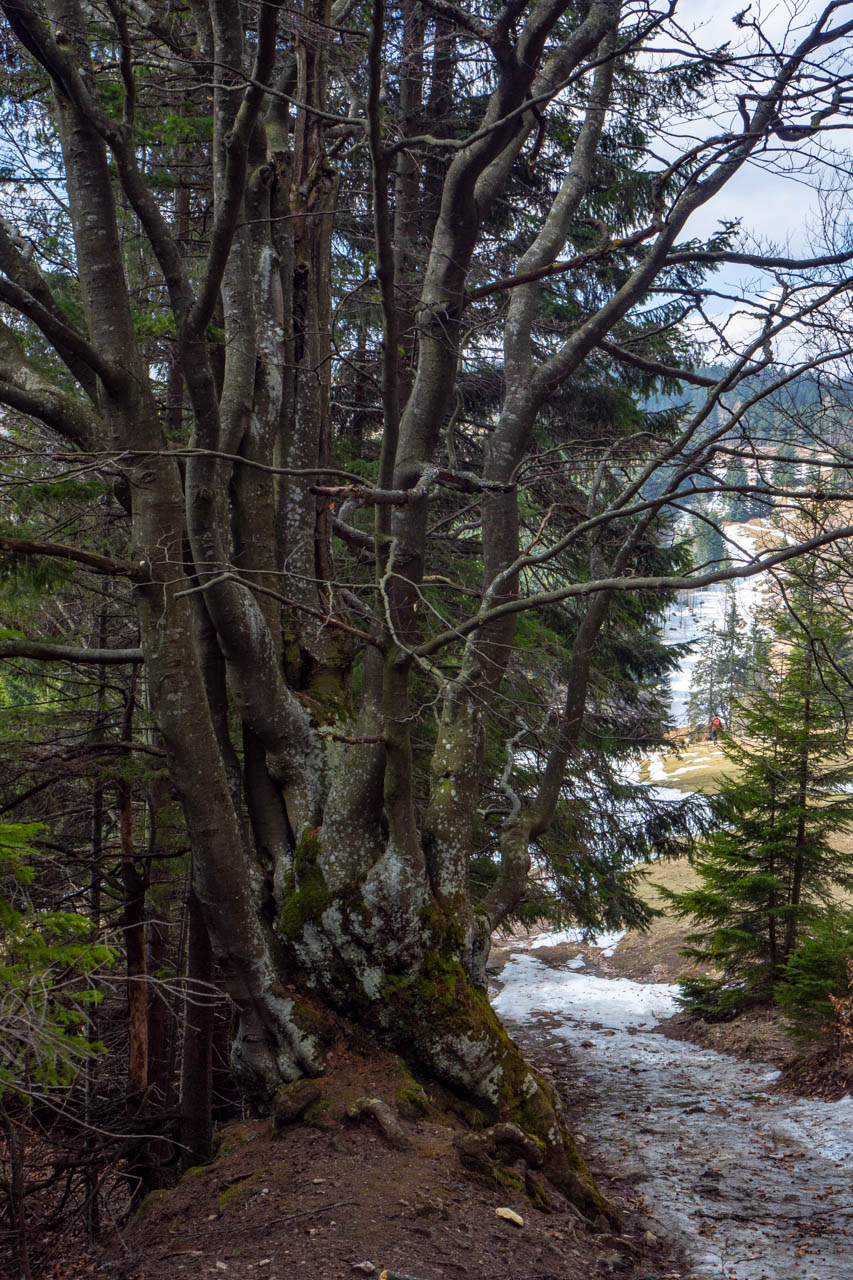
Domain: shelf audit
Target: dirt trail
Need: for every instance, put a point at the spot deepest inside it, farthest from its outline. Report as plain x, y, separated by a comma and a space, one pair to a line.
754, 1185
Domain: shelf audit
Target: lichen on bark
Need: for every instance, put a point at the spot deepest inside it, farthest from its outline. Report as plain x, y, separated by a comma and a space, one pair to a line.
434, 1016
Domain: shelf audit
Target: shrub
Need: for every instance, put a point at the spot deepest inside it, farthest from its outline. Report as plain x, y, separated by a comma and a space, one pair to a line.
816, 991
712, 999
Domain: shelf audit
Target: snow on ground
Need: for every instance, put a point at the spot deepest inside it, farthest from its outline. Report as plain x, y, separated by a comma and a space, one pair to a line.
669, 793
755, 1185
531, 987
630, 771
606, 943
657, 773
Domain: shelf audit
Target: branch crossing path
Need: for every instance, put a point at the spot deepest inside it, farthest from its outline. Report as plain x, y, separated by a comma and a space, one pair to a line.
755, 1185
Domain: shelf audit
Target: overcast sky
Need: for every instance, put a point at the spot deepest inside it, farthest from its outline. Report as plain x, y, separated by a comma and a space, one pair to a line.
773, 206
770, 204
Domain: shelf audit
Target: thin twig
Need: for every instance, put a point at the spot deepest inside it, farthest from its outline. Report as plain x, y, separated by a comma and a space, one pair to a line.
304, 1213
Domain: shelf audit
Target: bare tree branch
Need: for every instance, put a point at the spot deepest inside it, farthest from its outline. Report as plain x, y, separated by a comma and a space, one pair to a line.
106, 565
45, 652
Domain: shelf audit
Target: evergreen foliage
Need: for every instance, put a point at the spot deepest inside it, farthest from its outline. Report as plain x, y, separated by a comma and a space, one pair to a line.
769, 869
730, 663
740, 500
334, 451
49, 960
709, 547
818, 978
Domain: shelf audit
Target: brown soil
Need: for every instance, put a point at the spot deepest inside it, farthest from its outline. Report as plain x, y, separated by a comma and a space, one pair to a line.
758, 1034
819, 1073
325, 1197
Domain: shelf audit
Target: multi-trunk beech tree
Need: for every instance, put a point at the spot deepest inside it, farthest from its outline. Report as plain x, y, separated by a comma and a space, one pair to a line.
345, 304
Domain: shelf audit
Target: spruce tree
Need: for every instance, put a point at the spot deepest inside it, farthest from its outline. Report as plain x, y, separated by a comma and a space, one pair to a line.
723, 670
769, 868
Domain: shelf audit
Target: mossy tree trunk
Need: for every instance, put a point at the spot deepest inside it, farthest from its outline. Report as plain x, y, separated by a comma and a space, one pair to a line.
383, 951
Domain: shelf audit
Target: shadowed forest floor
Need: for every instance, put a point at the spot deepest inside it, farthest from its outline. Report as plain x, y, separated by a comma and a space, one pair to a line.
333, 1199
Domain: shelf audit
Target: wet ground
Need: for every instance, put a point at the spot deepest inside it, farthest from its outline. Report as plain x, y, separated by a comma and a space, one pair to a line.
755, 1185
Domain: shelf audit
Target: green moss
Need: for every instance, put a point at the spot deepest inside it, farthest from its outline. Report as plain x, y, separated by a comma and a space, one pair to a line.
327, 689
412, 1100
233, 1139
151, 1201
306, 904
443, 929
316, 1115
292, 654
316, 1023
535, 1113
292, 1101
536, 1194
440, 997
198, 1171
229, 1197
311, 896
307, 851
508, 1178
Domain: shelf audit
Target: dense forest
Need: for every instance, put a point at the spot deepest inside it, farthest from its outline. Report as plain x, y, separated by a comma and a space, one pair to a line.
365, 405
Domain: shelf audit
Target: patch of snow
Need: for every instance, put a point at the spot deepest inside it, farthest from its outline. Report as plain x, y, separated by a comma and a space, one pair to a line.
689, 768
821, 1128
610, 950
558, 938
532, 988
657, 773
670, 793
754, 1185
574, 937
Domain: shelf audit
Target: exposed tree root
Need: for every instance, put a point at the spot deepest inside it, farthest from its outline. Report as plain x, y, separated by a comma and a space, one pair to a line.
389, 1126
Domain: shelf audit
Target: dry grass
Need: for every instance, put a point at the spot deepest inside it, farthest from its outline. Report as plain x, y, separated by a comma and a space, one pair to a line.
656, 954
692, 768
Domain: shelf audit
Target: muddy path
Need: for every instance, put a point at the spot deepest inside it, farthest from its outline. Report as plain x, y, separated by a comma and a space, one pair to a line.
753, 1184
